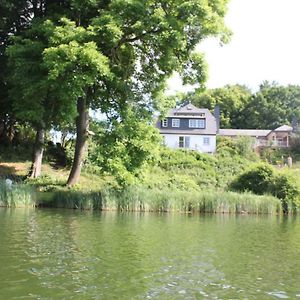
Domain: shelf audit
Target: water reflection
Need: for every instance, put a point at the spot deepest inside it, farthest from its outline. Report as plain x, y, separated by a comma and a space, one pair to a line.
91, 255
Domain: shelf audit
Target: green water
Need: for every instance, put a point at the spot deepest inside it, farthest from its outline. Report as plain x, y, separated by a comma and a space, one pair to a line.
56, 254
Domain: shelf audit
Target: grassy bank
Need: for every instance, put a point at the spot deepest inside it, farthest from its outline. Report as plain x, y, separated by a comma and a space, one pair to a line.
182, 181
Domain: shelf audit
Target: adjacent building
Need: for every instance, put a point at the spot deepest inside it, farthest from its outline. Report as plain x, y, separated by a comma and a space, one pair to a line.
277, 138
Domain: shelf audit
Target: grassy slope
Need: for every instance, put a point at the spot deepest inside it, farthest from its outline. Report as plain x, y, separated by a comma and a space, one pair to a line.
190, 179
52, 178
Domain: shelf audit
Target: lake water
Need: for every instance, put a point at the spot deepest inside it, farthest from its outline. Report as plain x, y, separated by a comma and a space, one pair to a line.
66, 254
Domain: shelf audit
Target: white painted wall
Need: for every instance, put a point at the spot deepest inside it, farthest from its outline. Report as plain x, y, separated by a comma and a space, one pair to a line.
196, 142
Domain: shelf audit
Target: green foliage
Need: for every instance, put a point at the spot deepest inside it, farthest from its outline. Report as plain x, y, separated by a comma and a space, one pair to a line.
295, 144
129, 145
191, 170
272, 106
139, 198
258, 179
113, 56
231, 99
275, 156
264, 179
242, 146
71, 199
17, 195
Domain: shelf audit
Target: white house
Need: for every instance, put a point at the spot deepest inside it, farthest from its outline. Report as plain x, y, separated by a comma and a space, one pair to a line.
189, 127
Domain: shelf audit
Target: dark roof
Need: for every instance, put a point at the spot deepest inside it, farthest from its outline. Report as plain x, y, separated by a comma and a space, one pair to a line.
188, 110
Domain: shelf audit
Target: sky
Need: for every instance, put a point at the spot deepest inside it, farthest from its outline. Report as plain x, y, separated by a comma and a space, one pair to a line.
265, 45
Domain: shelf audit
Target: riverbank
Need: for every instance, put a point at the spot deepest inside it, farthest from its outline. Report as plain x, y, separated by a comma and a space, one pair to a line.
138, 198
180, 181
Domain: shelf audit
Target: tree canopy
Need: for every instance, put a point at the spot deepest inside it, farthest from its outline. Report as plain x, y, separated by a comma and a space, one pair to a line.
271, 106
114, 56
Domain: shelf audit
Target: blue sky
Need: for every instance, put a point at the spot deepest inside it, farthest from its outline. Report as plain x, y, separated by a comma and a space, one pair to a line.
265, 45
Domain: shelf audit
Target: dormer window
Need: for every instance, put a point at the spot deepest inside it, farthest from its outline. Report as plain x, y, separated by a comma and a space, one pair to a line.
197, 123
164, 123
175, 122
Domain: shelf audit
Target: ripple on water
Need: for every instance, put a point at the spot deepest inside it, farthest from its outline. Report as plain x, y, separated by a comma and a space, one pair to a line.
65, 255
279, 294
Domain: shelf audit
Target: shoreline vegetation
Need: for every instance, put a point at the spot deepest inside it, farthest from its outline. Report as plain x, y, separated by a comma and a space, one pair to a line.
63, 63
141, 199
234, 180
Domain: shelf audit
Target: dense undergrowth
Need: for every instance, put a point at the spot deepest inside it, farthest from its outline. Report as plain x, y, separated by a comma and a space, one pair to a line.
180, 180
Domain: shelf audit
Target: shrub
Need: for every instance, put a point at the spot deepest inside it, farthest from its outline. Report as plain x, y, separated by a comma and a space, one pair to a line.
264, 179
242, 146
257, 180
275, 156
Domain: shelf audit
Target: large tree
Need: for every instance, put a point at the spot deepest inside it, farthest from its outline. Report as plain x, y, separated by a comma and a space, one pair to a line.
24, 88
116, 55
14, 18
140, 44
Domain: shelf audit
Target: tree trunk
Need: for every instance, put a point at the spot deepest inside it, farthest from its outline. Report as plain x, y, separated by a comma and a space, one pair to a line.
36, 167
82, 124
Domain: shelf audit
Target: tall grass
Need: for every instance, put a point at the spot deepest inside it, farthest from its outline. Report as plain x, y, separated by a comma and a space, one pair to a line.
137, 198
70, 199
17, 195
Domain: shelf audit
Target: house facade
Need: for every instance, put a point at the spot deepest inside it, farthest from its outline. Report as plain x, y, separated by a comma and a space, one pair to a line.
189, 127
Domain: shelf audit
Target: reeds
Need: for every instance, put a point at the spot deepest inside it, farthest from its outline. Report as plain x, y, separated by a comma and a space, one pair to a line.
141, 199
137, 198
70, 199
17, 195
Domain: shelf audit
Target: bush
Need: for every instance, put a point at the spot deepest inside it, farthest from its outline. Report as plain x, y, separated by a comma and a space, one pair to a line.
242, 146
257, 180
264, 179
275, 156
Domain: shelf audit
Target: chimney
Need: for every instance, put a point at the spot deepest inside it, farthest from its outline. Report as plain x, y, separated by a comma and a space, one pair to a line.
295, 124
217, 116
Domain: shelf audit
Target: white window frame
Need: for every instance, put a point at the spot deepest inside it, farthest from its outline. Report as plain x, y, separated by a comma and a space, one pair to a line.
206, 141
197, 123
164, 123
176, 123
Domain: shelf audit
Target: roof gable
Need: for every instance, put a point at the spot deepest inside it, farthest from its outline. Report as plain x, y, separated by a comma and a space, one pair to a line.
190, 110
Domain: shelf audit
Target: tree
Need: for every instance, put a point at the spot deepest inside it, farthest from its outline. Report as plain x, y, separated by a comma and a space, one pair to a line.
126, 147
140, 44
24, 94
32, 94
231, 99
272, 106
14, 18
113, 55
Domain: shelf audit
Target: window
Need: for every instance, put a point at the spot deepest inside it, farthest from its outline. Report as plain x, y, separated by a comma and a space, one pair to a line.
184, 142
197, 123
206, 141
164, 123
175, 122
181, 142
